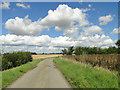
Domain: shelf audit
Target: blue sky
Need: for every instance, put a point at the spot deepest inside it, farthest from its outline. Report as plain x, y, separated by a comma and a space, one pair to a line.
39, 10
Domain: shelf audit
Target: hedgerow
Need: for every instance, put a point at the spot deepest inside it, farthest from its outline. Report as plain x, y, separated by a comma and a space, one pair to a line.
10, 60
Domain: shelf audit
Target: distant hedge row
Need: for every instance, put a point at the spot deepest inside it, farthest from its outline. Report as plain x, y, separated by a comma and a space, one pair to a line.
10, 60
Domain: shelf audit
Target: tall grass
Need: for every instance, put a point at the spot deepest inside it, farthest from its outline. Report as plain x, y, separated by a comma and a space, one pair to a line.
110, 61
86, 76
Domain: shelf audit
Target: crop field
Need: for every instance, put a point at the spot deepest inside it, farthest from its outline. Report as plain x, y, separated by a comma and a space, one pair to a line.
109, 61
45, 56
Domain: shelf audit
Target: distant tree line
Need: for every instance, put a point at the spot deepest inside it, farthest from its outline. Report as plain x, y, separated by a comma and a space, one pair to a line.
94, 50
49, 53
33, 53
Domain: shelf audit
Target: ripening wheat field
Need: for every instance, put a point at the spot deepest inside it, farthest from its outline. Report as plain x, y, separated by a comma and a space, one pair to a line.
45, 56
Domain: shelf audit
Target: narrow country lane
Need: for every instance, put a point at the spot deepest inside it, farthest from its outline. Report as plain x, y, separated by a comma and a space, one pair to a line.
45, 75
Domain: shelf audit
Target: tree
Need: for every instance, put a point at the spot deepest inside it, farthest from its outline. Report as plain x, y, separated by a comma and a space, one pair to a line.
70, 50
64, 51
118, 43
78, 50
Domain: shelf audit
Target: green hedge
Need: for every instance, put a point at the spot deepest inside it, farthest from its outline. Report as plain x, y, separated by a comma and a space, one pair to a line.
10, 60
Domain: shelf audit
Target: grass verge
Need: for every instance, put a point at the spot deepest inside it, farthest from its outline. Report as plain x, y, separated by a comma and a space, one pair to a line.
8, 76
85, 76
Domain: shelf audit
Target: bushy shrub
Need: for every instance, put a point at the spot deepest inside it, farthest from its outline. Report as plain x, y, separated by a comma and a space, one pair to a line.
14, 59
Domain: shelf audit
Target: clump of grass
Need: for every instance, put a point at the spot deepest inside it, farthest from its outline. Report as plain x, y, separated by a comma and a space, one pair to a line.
10, 75
86, 76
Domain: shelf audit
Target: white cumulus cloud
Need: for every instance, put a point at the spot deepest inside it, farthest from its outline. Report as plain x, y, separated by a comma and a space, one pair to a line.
23, 26
45, 43
92, 30
116, 31
105, 19
63, 18
22, 5
67, 19
95, 41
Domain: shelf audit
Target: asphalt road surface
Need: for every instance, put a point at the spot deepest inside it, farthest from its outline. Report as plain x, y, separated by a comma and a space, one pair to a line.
45, 75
